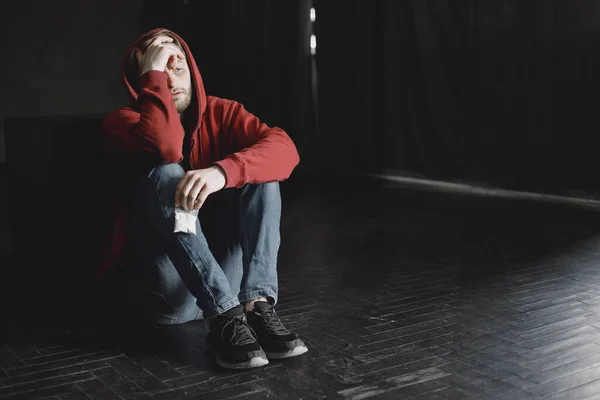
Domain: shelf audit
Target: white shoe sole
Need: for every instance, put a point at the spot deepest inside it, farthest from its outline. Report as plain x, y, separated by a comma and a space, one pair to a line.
292, 353
255, 362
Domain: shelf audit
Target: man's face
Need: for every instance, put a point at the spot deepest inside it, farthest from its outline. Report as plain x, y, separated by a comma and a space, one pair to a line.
179, 79
180, 84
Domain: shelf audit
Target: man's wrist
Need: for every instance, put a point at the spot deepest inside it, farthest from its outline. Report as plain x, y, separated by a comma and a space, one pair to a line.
217, 167
153, 78
144, 71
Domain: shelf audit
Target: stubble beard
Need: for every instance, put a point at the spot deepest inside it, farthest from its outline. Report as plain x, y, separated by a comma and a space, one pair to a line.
182, 103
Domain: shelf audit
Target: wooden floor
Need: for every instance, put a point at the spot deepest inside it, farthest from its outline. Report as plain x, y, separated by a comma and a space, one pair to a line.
398, 295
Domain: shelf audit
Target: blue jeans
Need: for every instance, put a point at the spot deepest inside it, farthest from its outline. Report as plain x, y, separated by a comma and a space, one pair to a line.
173, 278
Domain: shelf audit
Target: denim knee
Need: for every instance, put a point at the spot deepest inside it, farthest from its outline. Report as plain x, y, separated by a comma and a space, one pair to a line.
271, 189
167, 171
265, 192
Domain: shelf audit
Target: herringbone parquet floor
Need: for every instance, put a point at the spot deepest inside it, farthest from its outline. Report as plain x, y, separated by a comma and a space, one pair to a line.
399, 295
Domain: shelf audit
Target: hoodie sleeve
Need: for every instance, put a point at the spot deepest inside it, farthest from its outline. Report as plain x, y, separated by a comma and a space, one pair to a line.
258, 153
152, 128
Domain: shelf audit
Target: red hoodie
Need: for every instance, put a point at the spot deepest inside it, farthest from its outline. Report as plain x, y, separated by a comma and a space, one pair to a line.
149, 132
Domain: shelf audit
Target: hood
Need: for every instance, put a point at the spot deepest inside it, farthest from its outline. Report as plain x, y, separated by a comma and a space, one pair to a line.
198, 102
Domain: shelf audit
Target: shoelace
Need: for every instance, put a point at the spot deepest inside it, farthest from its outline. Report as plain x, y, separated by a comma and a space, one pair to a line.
273, 323
241, 332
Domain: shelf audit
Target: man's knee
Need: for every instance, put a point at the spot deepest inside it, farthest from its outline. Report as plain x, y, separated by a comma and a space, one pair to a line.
268, 191
161, 180
264, 196
166, 172
270, 187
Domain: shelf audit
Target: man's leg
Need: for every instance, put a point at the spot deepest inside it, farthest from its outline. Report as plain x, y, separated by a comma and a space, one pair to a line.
243, 231
183, 258
155, 290
242, 228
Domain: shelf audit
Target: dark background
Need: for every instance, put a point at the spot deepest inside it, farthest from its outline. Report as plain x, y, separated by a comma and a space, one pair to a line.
498, 94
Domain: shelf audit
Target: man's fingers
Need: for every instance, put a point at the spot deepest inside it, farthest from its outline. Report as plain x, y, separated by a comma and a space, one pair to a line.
179, 194
176, 51
183, 197
160, 40
177, 54
138, 55
193, 189
162, 55
172, 61
202, 197
199, 184
178, 191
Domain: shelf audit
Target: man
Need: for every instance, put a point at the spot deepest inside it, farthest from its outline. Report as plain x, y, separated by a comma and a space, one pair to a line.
176, 150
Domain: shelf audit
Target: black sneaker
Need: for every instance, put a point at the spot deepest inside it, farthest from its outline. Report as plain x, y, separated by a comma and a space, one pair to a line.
276, 341
233, 342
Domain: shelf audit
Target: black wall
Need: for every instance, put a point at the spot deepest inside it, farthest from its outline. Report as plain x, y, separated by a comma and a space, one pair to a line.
62, 57
498, 93
59, 58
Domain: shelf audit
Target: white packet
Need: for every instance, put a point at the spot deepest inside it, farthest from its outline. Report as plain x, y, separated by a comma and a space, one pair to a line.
185, 220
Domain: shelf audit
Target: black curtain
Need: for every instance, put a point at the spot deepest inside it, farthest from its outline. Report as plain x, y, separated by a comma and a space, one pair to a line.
498, 93
255, 52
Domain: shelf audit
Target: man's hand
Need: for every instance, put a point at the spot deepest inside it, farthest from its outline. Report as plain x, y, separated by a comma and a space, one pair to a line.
161, 53
197, 185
